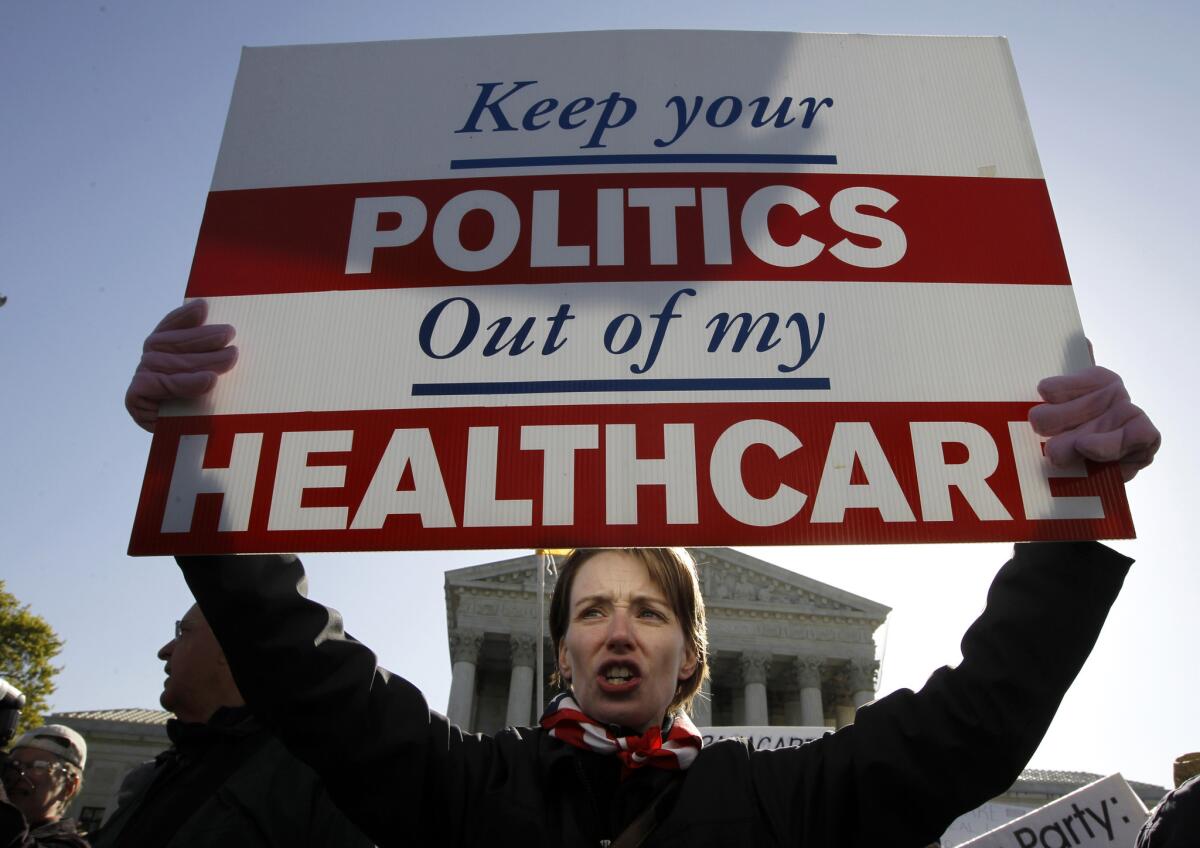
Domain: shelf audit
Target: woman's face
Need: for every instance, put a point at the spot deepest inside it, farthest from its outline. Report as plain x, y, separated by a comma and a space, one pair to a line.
624, 652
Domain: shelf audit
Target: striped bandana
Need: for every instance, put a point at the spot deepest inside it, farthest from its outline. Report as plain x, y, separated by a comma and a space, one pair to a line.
566, 721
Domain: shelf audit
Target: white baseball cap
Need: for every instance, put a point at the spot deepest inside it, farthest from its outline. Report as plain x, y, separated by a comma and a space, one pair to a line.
57, 739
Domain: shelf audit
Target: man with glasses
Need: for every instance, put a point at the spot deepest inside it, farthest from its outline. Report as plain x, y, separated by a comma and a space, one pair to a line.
42, 773
225, 780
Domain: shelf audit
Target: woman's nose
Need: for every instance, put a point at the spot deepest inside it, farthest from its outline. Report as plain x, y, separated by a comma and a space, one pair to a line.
619, 632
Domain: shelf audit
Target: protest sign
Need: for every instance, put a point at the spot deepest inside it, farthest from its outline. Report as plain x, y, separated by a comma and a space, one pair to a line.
981, 820
628, 288
1104, 813
765, 738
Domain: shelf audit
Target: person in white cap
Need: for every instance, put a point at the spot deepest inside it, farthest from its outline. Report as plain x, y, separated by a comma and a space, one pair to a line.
42, 773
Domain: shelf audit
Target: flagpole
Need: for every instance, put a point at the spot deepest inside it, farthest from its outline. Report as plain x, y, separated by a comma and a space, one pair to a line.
545, 560
543, 564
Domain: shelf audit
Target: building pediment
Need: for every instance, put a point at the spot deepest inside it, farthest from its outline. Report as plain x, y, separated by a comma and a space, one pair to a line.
519, 573
729, 579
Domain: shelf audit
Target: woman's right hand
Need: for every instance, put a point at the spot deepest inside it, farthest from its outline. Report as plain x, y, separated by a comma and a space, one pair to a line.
182, 358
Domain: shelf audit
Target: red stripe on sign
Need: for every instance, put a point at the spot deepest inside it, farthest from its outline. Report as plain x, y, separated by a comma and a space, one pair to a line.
620, 227
744, 474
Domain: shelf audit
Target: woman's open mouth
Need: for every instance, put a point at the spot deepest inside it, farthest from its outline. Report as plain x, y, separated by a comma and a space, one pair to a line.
617, 677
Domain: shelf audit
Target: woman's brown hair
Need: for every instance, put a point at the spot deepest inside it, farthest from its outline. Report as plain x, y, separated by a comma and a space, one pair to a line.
674, 572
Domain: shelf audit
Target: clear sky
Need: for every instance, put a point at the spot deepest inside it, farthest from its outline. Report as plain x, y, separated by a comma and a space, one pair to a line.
110, 118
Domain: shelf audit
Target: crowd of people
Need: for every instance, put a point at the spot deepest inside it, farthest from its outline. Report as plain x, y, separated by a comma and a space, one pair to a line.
288, 732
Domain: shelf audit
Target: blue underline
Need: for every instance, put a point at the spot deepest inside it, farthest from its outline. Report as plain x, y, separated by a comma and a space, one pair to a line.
529, 387
647, 159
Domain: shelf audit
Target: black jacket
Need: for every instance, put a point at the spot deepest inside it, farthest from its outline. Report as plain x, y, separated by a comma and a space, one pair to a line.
909, 765
1176, 820
228, 782
16, 833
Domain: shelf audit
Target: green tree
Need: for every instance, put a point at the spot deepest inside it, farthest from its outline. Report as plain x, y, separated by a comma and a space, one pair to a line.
27, 646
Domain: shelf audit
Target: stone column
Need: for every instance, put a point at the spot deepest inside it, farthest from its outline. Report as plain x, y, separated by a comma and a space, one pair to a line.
520, 683
792, 713
808, 678
862, 681
739, 706
754, 675
464, 653
702, 706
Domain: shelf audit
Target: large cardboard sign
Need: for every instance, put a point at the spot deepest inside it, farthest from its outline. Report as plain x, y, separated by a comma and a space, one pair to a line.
626, 288
1104, 813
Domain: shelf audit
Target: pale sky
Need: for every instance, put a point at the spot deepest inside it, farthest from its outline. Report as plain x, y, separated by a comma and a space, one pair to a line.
113, 114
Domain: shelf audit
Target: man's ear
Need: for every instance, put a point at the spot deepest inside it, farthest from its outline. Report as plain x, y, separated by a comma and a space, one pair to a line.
68, 791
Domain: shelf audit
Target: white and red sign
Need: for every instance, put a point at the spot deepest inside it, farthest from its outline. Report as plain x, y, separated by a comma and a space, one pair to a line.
1104, 813
629, 288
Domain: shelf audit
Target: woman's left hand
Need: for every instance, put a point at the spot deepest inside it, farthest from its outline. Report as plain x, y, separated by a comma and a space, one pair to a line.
1089, 415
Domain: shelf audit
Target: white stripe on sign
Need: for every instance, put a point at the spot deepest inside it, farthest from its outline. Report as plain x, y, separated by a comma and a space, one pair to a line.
641, 343
357, 113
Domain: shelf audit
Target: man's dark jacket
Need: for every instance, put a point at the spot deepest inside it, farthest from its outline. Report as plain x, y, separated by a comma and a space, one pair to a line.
908, 766
1176, 819
228, 782
16, 833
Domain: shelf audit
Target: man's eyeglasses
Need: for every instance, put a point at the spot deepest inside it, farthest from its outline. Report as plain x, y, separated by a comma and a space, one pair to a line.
178, 629
15, 771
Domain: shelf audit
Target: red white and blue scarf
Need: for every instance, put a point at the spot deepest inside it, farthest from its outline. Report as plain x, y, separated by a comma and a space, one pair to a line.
566, 721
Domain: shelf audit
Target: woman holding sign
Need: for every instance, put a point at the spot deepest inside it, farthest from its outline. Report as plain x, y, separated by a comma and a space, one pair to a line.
615, 760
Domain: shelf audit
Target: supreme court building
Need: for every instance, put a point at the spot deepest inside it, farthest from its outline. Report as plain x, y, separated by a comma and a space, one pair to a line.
785, 650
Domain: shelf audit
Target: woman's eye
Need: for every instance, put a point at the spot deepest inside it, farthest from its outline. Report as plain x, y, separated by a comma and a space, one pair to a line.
592, 612
653, 613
